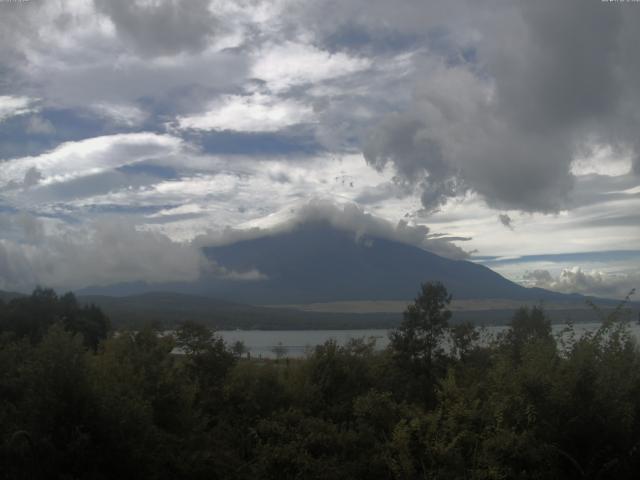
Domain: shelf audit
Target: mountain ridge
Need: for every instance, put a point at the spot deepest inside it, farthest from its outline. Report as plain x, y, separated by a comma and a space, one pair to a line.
314, 263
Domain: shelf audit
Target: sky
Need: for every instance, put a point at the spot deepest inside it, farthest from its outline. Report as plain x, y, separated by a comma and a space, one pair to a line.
134, 132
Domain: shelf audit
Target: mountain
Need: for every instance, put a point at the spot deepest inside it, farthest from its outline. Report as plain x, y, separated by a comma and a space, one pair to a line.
318, 263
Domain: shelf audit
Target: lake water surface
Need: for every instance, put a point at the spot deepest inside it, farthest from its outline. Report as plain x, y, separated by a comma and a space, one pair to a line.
296, 343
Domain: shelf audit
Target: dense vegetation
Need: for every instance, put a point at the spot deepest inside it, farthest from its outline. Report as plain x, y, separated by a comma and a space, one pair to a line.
440, 402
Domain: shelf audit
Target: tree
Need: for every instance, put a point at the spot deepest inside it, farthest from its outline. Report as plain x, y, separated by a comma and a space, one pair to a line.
88, 320
239, 348
528, 326
417, 343
30, 317
280, 351
419, 337
463, 338
193, 338
207, 362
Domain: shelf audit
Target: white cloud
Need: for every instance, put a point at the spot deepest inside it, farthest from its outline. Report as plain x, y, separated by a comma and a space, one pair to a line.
85, 157
40, 251
249, 113
576, 280
11, 106
234, 190
100, 253
603, 160
285, 65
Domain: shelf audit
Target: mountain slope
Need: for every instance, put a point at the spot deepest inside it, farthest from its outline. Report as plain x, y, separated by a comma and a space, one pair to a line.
318, 263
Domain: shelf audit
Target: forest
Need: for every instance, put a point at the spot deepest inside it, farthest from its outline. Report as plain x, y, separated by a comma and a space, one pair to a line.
79, 400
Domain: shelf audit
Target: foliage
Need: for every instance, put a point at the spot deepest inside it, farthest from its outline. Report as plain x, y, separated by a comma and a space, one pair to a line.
417, 345
440, 402
31, 317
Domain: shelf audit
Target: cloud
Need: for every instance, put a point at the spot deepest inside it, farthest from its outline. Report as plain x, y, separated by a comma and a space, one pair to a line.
506, 220
452, 141
174, 84
186, 193
348, 217
575, 280
252, 275
161, 27
268, 104
289, 64
248, 113
40, 126
32, 177
602, 160
117, 58
41, 251
86, 157
464, 110
123, 114
507, 123
35, 252
539, 278
11, 106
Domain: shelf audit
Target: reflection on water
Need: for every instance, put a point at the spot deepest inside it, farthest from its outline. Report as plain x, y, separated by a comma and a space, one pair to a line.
296, 343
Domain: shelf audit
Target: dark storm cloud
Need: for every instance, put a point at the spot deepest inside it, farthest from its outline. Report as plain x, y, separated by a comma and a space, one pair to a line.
564, 71
399, 139
164, 27
546, 77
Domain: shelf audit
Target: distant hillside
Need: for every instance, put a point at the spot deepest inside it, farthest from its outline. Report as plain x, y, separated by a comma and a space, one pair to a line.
318, 263
8, 296
169, 309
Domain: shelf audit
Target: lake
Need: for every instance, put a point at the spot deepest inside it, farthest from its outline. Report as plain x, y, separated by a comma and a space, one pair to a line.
296, 343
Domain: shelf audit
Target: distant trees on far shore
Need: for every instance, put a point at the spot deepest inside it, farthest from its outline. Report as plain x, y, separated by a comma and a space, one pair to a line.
31, 316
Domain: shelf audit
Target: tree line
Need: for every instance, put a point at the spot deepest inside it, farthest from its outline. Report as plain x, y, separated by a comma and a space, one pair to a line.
79, 401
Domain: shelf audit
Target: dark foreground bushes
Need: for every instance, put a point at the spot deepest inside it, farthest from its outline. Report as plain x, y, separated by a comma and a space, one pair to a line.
440, 402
